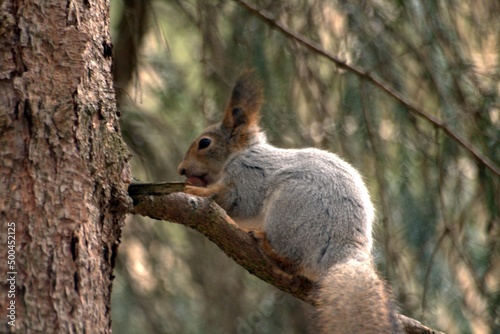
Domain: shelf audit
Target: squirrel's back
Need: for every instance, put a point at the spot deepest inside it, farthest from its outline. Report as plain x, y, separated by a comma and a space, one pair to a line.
302, 190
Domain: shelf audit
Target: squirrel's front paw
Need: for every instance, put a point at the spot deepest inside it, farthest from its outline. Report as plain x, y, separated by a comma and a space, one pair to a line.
200, 191
192, 190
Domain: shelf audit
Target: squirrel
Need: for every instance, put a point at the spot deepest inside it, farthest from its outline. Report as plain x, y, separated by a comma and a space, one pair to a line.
309, 209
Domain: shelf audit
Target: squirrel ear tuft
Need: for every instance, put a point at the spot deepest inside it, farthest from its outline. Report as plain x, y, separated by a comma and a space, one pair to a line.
246, 101
239, 117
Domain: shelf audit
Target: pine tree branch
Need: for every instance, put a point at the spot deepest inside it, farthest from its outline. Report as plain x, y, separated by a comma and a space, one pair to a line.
364, 75
205, 216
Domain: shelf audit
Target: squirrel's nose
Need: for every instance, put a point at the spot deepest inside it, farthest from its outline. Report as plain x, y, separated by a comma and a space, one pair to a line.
181, 170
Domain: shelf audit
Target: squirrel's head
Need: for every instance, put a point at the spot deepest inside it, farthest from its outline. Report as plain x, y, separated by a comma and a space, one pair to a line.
238, 130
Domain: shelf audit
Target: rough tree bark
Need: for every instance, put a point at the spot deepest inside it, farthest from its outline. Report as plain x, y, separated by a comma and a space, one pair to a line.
63, 167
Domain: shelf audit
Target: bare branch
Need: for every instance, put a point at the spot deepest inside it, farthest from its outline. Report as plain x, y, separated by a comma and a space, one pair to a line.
206, 217
367, 77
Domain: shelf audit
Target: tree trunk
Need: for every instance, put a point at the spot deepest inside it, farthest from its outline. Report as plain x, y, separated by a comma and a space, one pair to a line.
63, 167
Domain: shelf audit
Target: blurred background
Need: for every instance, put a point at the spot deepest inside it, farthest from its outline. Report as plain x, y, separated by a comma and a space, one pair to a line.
438, 232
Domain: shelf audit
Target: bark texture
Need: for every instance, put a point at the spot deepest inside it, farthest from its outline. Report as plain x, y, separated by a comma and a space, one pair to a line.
63, 165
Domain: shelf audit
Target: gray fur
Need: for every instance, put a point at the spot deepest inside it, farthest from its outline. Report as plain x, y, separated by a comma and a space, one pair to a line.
303, 190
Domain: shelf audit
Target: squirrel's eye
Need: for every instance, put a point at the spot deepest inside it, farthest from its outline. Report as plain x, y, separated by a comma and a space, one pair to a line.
204, 142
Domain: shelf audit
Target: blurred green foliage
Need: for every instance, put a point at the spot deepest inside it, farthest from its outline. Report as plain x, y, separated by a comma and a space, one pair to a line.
438, 237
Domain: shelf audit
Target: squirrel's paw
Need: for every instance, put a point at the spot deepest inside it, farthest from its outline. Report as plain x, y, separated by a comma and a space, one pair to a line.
258, 235
198, 191
267, 250
191, 190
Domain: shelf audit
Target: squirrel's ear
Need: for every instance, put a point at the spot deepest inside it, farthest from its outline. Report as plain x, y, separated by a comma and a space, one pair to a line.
243, 109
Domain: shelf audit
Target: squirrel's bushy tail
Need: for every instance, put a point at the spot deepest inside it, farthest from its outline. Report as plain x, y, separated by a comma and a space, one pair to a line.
352, 298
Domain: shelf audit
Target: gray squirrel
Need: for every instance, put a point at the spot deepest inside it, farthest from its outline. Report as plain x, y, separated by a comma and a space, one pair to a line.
309, 209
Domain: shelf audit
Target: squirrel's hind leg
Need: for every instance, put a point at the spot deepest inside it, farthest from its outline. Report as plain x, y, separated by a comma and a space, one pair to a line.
268, 251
